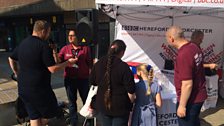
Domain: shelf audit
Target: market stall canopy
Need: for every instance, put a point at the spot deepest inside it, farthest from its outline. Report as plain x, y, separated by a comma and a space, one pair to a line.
186, 3
143, 23
163, 8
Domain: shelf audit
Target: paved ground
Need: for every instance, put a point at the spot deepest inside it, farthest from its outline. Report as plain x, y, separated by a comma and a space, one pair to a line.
8, 94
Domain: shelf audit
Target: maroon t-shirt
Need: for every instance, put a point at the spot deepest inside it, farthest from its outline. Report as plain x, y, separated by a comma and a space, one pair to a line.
189, 66
84, 62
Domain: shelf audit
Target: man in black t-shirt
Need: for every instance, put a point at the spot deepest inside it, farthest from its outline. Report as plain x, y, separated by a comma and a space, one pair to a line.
36, 63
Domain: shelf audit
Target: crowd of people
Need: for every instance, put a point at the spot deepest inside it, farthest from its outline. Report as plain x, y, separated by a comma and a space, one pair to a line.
34, 60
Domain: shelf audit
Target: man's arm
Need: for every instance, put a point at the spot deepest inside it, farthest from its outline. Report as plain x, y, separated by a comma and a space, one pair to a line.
186, 89
13, 65
60, 66
56, 58
210, 65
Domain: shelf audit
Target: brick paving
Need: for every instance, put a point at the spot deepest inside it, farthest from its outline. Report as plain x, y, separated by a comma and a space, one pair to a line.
7, 96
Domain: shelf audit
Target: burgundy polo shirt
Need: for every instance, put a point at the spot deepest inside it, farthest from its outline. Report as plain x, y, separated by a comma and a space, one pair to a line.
189, 66
84, 61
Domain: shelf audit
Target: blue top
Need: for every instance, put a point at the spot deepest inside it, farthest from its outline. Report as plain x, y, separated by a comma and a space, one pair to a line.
144, 113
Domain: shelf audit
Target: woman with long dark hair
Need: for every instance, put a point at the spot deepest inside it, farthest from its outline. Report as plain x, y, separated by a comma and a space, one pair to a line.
116, 86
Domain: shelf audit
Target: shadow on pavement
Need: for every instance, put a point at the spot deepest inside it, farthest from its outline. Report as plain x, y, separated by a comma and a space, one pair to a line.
220, 105
204, 123
210, 111
7, 115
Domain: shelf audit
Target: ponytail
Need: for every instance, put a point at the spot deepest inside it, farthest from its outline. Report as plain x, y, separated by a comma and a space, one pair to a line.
150, 78
107, 94
147, 71
116, 47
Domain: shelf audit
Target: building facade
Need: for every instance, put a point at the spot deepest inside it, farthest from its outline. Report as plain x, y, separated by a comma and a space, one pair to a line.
17, 18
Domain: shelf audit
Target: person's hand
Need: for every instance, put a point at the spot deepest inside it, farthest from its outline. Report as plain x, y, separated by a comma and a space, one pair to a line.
54, 47
95, 60
213, 66
72, 60
90, 109
15, 74
181, 111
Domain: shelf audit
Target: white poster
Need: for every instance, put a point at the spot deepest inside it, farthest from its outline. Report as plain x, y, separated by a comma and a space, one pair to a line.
144, 39
167, 114
144, 34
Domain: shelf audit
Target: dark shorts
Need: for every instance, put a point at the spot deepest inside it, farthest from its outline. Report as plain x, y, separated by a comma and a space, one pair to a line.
36, 113
41, 107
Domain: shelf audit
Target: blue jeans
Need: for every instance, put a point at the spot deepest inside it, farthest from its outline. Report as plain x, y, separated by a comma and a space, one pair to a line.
192, 115
113, 120
71, 86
